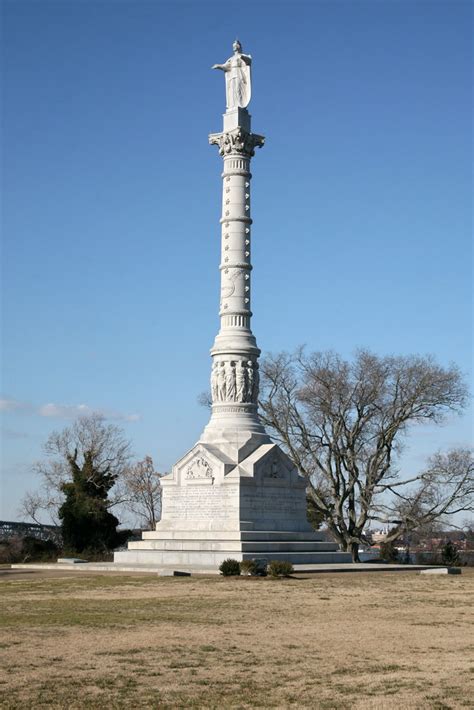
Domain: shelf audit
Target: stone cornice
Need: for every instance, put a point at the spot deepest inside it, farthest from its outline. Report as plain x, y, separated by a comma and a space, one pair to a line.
237, 142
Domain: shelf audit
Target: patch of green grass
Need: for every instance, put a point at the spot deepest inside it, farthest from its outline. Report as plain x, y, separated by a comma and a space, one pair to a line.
118, 613
81, 582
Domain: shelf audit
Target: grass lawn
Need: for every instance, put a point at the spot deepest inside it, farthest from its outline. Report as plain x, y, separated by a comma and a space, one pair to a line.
380, 640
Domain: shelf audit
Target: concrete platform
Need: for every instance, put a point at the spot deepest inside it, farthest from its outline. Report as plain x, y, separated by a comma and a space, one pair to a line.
181, 570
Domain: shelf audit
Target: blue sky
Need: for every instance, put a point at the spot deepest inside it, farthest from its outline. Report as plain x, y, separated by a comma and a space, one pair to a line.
362, 203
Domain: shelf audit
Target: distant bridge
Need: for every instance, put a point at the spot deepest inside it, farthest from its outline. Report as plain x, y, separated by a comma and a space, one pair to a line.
9, 529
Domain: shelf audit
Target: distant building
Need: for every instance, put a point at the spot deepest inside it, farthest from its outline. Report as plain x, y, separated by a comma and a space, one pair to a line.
379, 535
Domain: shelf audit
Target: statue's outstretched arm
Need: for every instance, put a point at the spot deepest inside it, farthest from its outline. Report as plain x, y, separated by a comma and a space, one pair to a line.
220, 66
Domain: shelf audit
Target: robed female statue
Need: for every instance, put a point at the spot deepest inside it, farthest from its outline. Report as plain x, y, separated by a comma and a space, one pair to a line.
237, 77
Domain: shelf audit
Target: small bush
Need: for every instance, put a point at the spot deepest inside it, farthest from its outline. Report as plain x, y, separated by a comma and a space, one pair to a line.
279, 568
35, 550
230, 568
248, 567
450, 555
27, 549
388, 552
11, 550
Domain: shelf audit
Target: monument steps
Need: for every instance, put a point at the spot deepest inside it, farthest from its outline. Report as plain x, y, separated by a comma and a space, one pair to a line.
244, 535
234, 545
208, 548
212, 559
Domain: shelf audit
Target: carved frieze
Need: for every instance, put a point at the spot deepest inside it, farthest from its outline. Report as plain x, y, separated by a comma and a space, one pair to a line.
235, 381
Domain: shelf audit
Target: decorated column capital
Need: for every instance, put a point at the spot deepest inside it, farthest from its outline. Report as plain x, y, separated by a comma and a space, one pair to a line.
237, 142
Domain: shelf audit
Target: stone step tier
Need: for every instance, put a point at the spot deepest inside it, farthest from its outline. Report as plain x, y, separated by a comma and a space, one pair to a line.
211, 548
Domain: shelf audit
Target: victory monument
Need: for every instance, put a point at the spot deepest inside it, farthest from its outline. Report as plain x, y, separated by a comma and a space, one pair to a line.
235, 493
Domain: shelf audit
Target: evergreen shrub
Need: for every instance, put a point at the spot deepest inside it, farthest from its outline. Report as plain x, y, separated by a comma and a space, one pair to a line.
279, 568
230, 568
450, 555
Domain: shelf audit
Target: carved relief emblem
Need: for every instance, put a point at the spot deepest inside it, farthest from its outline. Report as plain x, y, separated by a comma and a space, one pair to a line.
199, 468
228, 288
272, 469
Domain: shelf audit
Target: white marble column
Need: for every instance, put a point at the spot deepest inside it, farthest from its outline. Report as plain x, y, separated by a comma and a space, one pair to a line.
235, 374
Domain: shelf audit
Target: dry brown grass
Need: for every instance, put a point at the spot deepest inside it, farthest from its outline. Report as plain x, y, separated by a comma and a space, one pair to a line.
384, 640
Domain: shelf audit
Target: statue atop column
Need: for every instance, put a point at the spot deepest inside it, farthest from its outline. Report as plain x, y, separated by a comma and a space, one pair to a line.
237, 78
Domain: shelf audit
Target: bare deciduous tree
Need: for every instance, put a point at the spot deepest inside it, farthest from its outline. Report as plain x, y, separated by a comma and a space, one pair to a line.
42, 506
444, 488
90, 435
343, 424
141, 491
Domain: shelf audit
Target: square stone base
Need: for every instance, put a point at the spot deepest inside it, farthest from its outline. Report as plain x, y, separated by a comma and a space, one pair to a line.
247, 503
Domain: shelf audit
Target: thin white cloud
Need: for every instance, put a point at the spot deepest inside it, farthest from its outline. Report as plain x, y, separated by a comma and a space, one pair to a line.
11, 405
64, 411
72, 411
132, 417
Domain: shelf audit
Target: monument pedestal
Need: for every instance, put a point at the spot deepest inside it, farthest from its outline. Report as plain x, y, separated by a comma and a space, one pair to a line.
239, 499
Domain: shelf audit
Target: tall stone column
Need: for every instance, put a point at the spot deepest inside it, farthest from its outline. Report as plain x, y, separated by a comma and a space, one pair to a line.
234, 374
